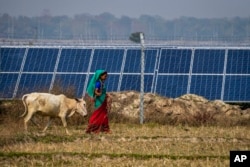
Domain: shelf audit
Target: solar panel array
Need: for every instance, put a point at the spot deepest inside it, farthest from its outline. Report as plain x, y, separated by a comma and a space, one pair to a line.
214, 73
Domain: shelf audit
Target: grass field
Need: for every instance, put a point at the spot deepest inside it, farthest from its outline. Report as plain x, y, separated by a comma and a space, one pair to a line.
128, 145
200, 142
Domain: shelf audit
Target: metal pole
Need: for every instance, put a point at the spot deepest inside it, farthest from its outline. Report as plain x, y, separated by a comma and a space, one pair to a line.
138, 37
142, 78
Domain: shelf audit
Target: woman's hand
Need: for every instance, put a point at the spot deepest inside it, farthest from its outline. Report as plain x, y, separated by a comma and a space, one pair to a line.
97, 92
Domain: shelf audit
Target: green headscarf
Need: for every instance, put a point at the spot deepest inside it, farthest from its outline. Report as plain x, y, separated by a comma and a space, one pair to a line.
91, 88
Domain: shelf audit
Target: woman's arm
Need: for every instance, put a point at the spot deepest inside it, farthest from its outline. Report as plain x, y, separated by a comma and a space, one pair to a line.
98, 88
98, 92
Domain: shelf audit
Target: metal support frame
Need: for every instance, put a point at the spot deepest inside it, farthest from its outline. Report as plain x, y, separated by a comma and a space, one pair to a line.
224, 75
20, 73
55, 69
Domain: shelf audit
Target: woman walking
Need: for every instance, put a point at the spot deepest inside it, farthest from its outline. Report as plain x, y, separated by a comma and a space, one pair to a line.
96, 90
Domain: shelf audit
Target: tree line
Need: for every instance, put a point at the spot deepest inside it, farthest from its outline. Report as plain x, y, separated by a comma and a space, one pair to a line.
108, 27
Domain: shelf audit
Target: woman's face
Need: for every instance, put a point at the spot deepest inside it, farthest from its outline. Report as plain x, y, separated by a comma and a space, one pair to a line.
104, 76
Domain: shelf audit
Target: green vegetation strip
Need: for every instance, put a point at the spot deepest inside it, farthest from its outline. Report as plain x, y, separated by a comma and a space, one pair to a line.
97, 155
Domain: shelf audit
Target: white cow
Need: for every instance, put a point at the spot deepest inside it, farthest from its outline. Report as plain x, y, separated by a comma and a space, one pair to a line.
52, 106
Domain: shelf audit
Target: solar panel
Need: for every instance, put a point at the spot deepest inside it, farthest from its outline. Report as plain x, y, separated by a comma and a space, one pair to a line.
71, 82
175, 61
208, 86
133, 61
133, 82
171, 85
209, 61
112, 82
107, 59
34, 82
74, 60
237, 88
41, 60
11, 59
8, 83
214, 73
238, 61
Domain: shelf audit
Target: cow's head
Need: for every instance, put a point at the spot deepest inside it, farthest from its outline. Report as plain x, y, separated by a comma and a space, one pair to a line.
81, 107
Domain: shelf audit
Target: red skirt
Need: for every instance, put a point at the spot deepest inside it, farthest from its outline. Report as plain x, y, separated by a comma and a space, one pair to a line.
98, 121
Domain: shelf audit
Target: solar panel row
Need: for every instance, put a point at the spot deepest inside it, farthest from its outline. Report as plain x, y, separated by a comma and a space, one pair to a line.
213, 73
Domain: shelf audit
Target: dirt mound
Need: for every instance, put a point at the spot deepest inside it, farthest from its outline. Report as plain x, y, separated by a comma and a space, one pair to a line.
188, 109
128, 104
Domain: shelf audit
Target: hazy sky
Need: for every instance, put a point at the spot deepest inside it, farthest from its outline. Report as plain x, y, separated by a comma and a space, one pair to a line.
168, 9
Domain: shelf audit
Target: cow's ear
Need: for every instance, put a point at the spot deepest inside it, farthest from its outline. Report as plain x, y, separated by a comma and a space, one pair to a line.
77, 99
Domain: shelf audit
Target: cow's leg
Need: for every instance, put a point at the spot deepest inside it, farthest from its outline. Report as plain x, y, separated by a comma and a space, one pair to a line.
65, 124
26, 120
34, 122
46, 127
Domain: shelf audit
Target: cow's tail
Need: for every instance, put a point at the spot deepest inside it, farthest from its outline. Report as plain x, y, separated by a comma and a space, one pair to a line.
25, 105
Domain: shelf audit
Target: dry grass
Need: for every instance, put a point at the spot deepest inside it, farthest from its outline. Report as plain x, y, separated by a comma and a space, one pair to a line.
128, 145
191, 142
